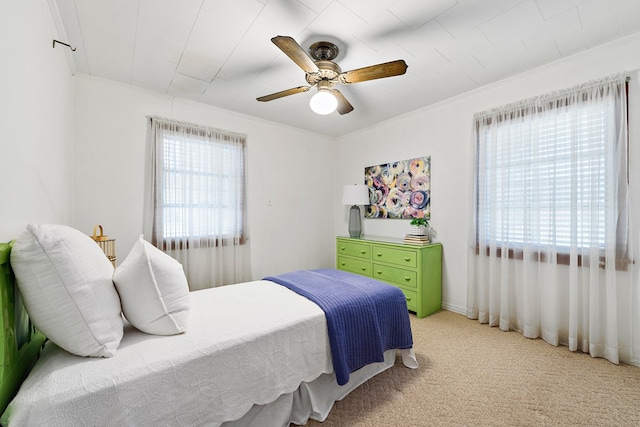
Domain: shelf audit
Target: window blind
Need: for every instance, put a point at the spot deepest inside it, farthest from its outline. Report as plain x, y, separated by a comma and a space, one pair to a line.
549, 170
200, 185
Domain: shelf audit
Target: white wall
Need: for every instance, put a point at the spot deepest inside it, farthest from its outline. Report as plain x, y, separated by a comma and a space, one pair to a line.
293, 170
35, 119
43, 109
443, 131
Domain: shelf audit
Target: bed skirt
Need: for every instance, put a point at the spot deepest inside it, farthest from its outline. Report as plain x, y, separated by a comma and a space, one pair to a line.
314, 400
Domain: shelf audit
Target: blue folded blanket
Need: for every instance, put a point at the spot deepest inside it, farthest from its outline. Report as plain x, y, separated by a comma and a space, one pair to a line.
365, 317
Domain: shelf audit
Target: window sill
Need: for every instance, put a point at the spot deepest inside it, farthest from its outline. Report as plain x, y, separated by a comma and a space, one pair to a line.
184, 243
621, 264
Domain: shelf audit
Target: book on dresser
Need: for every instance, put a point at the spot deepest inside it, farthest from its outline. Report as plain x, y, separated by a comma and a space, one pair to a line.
416, 240
415, 268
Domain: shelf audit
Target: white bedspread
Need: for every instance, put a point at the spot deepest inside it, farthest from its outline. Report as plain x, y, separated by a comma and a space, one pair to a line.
246, 344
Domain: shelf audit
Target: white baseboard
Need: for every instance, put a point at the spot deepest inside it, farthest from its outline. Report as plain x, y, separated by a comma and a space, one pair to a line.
455, 308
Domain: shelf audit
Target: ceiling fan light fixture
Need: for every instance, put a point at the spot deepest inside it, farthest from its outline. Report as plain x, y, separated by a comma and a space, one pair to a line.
323, 102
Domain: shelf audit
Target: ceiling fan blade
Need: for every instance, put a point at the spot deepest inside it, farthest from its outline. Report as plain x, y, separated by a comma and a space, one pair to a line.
372, 72
344, 106
284, 93
293, 50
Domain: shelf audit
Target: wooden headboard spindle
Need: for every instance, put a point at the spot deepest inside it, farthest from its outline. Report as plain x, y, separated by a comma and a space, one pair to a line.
20, 342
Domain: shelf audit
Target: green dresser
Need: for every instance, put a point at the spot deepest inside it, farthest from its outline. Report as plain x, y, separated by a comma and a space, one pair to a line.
417, 270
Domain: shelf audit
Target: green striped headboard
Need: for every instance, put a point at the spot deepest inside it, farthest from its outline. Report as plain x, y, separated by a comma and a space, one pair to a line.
20, 342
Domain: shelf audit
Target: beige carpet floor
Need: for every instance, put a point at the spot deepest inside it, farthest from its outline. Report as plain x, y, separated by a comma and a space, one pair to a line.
475, 375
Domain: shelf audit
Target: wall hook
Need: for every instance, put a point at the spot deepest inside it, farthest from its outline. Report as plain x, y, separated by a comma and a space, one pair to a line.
73, 49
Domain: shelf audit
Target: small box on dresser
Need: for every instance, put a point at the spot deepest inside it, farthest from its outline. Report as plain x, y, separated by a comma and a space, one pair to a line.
415, 269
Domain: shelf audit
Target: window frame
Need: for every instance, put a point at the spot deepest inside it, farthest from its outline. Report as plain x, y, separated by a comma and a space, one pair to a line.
541, 251
237, 176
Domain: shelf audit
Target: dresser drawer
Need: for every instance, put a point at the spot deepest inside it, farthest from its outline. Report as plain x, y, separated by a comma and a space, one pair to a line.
412, 299
394, 275
354, 265
400, 257
354, 249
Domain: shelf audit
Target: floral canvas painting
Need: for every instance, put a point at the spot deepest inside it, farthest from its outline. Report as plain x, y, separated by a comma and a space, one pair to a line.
399, 189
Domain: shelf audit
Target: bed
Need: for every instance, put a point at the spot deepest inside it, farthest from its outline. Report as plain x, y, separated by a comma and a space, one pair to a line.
255, 353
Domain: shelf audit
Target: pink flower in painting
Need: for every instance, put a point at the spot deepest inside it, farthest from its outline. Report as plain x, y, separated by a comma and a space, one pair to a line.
419, 199
420, 182
403, 182
416, 166
408, 212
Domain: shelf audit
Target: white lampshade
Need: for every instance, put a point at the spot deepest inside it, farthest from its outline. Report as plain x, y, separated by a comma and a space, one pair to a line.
355, 194
323, 102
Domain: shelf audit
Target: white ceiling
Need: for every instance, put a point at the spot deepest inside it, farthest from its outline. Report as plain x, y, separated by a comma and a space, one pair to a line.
219, 52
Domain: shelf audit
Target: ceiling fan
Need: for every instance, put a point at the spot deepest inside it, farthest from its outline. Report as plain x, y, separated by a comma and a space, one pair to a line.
322, 72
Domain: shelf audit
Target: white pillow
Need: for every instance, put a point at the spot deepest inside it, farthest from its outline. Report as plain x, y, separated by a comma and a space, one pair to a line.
66, 284
153, 289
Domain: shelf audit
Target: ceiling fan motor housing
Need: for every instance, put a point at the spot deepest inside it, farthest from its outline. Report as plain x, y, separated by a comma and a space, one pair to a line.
324, 51
327, 70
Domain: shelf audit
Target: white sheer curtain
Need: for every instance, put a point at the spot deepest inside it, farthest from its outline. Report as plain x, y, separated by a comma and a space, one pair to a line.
195, 202
551, 242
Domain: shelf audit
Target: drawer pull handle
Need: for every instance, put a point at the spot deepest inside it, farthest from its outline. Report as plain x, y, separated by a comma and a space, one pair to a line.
407, 278
363, 268
407, 259
343, 264
363, 252
407, 298
379, 272
342, 248
379, 254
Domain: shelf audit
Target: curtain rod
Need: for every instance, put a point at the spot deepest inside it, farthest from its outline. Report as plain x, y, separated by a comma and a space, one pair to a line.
73, 49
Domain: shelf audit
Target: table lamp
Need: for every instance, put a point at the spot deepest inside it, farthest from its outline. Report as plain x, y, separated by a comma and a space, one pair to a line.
354, 195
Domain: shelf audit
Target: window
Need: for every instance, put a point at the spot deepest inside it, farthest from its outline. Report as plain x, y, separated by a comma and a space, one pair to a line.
198, 200
199, 186
551, 173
